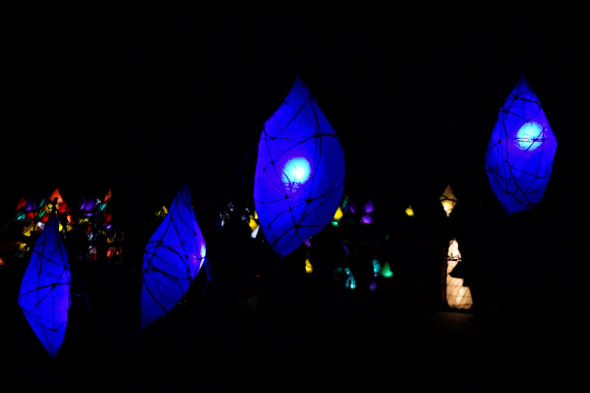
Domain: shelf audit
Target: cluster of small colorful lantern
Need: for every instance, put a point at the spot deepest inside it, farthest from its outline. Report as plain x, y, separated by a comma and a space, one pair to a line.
93, 217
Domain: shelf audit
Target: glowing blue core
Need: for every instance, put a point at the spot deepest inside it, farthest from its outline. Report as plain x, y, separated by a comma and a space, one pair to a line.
529, 136
295, 173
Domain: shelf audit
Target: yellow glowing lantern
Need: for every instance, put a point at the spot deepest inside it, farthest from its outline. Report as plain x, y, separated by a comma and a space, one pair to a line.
410, 211
308, 267
29, 228
253, 223
458, 295
338, 215
448, 200
161, 213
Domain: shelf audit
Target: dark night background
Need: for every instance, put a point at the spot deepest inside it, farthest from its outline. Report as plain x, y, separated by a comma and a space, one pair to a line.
138, 98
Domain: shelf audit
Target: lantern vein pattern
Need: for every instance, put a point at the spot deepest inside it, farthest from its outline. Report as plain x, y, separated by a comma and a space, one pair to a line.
520, 152
44, 294
173, 257
299, 172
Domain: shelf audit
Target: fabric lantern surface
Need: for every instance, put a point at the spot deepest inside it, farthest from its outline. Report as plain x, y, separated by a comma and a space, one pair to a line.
173, 257
520, 153
448, 200
299, 175
44, 294
458, 295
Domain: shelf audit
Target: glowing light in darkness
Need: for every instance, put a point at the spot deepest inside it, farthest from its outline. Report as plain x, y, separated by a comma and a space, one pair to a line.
386, 271
44, 294
520, 153
299, 172
172, 258
295, 174
458, 295
530, 136
448, 200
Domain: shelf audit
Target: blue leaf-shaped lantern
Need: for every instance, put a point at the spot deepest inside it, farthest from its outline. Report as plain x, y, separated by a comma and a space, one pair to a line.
44, 294
299, 172
173, 257
521, 151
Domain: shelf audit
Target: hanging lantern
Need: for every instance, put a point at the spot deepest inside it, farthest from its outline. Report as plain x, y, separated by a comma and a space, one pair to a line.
44, 294
458, 295
448, 200
521, 151
172, 258
299, 172
337, 216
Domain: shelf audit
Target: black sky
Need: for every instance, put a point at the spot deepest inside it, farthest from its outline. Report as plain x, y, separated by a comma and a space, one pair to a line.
139, 98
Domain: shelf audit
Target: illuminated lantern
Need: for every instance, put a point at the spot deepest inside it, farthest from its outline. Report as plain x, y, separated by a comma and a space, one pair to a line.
253, 221
162, 212
409, 211
348, 206
61, 205
173, 257
448, 200
30, 209
386, 271
107, 217
458, 295
521, 151
299, 172
350, 282
22, 202
44, 294
337, 216
308, 266
253, 224
367, 212
87, 206
376, 267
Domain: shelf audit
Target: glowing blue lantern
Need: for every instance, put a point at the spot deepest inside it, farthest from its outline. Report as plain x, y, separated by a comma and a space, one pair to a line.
299, 173
521, 151
173, 257
44, 294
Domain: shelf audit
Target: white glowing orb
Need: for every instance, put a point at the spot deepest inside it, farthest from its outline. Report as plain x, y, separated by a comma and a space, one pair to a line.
295, 173
529, 136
